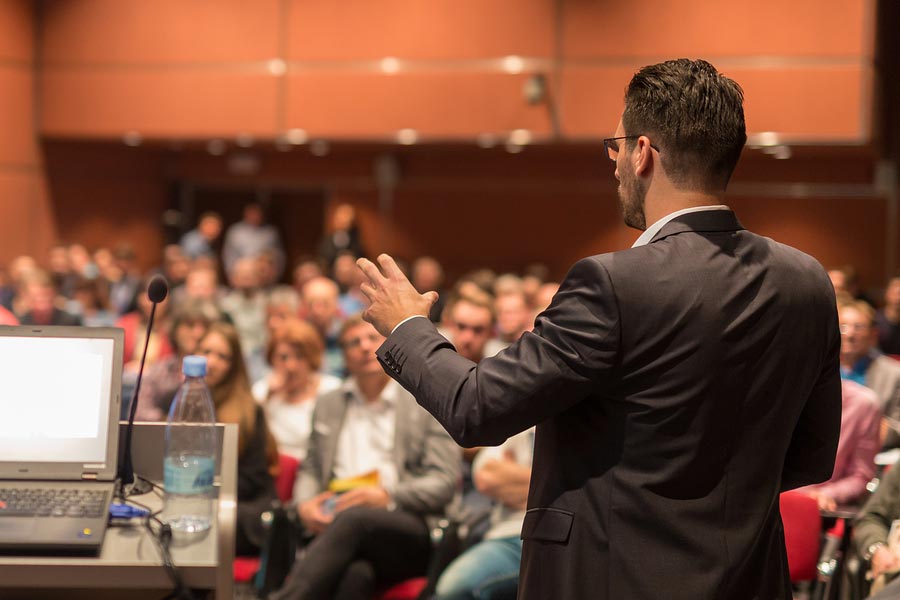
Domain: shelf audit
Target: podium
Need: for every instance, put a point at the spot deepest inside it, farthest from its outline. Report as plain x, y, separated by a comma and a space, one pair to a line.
130, 565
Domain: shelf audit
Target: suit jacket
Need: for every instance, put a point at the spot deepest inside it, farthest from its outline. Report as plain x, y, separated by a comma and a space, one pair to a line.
677, 388
426, 458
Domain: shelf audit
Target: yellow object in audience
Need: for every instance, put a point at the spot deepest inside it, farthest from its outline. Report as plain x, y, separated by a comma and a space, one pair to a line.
339, 486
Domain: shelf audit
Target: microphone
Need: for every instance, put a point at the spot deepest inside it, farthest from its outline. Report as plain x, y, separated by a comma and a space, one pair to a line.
157, 291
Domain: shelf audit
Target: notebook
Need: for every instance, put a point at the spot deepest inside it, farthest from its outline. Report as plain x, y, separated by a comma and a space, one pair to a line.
60, 392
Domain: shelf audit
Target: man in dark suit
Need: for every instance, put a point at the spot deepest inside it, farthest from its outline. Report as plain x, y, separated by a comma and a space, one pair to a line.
677, 387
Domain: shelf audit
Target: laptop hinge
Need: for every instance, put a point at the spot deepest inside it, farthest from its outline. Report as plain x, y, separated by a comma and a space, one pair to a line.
89, 476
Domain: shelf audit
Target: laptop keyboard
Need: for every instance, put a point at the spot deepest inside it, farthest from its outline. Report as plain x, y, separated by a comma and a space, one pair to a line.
27, 502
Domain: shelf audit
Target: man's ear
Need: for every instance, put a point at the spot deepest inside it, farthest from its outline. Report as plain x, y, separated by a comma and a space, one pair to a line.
643, 158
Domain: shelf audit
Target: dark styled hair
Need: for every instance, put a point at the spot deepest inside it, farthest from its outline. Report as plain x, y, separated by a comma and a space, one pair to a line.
694, 115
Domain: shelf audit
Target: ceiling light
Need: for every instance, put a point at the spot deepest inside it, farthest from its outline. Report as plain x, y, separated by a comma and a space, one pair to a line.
407, 137
390, 65
513, 64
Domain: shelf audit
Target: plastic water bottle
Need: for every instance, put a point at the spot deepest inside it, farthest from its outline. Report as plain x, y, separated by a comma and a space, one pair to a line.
190, 455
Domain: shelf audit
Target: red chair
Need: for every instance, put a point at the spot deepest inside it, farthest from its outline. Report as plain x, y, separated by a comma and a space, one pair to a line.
802, 530
405, 590
245, 567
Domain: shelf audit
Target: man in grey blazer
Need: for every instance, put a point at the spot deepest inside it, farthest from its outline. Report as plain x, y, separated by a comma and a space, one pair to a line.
377, 534
677, 387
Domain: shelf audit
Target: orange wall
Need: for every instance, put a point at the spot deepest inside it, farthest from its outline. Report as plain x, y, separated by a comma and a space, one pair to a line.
198, 69
28, 222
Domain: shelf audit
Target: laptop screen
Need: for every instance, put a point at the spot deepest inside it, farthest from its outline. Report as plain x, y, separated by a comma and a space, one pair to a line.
55, 395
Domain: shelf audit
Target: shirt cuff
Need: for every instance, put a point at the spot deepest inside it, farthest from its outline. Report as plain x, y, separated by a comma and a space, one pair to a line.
397, 326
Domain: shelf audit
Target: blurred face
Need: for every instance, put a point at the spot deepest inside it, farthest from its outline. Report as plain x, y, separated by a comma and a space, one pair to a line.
276, 315
253, 214
287, 361
59, 260
359, 344
470, 329
857, 334
305, 272
188, 334
345, 270
892, 294
513, 316
201, 284
40, 298
218, 355
426, 276
321, 301
210, 228
245, 276
838, 280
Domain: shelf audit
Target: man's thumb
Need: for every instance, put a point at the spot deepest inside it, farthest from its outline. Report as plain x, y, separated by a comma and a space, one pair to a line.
432, 297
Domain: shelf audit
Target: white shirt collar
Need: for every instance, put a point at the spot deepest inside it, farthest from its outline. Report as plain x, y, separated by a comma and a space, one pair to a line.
387, 397
651, 231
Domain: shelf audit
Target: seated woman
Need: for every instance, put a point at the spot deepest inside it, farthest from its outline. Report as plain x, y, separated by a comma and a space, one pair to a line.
289, 392
163, 378
226, 376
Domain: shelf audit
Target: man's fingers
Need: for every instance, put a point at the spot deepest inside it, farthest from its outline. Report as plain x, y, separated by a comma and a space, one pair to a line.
368, 291
390, 268
432, 297
370, 270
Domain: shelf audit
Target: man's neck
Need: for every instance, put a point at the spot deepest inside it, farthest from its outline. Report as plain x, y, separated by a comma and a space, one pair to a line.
371, 385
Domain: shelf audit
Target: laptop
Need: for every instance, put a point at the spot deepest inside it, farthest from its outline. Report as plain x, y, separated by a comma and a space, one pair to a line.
60, 392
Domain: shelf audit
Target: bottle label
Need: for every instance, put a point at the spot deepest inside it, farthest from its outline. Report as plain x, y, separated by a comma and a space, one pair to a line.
189, 475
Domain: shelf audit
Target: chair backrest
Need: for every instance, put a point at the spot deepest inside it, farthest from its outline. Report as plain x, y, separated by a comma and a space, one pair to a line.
802, 533
287, 473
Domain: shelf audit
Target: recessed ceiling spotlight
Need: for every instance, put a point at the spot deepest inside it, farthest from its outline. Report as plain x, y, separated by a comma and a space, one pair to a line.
407, 137
513, 64
277, 67
244, 140
296, 136
520, 137
390, 65
486, 140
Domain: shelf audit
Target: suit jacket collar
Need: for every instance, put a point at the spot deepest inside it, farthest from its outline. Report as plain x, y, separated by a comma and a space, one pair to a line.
704, 221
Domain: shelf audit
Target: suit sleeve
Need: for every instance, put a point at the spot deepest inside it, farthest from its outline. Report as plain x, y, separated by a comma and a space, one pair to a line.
810, 456
572, 351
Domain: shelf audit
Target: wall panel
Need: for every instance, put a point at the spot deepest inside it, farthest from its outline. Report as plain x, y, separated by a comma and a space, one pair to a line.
159, 32
437, 29
97, 102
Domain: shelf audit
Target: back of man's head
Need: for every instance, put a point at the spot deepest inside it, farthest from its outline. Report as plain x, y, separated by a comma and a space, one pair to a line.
694, 115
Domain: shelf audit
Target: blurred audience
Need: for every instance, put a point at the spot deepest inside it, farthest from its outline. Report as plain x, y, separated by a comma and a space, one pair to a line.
250, 237
246, 306
428, 276
39, 301
202, 240
162, 379
342, 235
320, 298
862, 363
490, 568
375, 531
290, 390
888, 319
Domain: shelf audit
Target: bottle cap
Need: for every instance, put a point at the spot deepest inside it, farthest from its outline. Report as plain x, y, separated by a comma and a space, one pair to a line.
194, 366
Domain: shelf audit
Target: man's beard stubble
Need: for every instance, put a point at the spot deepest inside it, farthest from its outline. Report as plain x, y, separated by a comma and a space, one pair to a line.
632, 194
